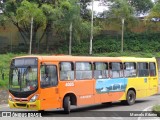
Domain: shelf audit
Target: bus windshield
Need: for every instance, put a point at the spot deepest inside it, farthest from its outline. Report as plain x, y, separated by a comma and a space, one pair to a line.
23, 75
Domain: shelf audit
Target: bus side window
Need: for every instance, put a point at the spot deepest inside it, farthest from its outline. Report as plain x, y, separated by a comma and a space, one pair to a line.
152, 69
48, 76
83, 70
116, 70
143, 69
100, 70
129, 69
66, 71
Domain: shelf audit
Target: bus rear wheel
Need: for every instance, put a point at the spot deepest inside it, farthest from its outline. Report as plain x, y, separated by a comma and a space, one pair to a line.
130, 98
67, 104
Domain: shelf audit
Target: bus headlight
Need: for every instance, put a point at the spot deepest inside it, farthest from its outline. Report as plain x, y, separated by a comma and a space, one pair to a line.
34, 98
10, 98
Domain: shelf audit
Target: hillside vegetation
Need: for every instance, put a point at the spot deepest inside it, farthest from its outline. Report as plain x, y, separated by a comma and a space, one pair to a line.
133, 42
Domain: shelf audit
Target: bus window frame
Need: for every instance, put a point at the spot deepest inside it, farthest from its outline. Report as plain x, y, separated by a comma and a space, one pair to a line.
107, 69
151, 69
84, 70
46, 64
121, 70
135, 66
143, 69
72, 63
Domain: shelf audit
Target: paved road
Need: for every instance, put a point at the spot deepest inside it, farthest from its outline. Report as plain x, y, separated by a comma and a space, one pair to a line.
114, 111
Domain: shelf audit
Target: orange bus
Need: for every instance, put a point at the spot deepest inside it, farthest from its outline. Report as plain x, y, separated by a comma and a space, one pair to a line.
47, 82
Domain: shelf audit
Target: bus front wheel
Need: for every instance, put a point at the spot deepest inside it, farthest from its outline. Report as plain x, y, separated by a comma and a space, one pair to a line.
130, 98
67, 104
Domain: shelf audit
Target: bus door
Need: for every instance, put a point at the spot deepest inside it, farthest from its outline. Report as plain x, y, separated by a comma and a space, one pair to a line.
101, 82
142, 80
153, 79
49, 86
84, 83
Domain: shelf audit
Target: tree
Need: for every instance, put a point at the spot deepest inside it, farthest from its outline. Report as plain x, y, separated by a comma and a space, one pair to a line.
154, 14
53, 14
120, 12
140, 6
155, 11
70, 24
26, 13
20, 12
49, 16
84, 11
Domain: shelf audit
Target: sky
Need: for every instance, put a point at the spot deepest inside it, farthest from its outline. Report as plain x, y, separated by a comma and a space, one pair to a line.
97, 7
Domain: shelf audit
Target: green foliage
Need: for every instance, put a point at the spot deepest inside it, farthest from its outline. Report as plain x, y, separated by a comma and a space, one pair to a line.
118, 10
3, 20
141, 6
133, 42
66, 5
56, 17
50, 12
156, 110
27, 10
84, 11
70, 13
155, 11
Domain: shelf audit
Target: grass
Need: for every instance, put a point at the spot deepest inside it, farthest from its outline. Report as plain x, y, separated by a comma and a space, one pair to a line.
156, 110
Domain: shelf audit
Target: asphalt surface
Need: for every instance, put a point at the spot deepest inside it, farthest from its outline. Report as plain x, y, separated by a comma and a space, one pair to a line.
140, 110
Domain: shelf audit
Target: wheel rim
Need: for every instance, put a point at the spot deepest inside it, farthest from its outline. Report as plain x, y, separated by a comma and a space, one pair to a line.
131, 98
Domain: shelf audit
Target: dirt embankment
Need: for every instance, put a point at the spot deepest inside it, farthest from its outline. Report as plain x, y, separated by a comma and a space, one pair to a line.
3, 96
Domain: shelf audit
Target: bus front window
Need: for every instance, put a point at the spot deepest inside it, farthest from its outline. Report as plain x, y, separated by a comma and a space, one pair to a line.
23, 77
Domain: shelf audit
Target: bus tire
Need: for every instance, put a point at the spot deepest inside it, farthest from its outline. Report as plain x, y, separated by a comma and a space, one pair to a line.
130, 98
67, 104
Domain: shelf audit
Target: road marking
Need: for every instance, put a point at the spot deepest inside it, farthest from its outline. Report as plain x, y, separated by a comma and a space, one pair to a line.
146, 109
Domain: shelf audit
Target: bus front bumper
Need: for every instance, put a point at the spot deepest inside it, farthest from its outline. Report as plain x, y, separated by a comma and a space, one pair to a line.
25, 105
